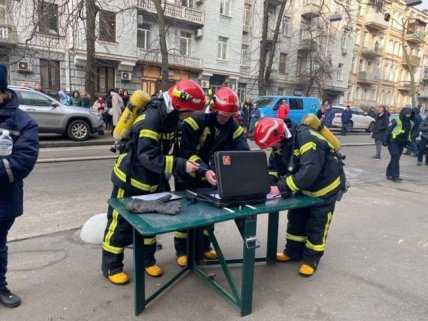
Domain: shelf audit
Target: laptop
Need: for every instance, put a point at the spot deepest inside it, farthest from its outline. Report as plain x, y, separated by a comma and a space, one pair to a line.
242, 178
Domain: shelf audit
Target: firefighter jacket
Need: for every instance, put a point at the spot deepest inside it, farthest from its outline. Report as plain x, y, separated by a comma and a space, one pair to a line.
149, 155
203, 136
14, 168
306, 163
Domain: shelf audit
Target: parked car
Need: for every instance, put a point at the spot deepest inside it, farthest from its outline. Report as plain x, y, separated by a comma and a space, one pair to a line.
299, 106
52, 117
360, 119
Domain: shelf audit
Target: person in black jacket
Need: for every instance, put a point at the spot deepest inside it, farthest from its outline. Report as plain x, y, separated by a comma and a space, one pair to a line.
423, 148
302, 161
203, 135
346, 120
13, 169
144, 168
379, 129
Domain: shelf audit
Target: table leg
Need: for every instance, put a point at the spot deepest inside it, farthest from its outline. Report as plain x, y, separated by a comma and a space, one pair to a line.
139, 273
191, 248
248, 232
272, 241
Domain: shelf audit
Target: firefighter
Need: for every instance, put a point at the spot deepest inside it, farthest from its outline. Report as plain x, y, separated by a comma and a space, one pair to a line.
145, 167
203, 135
302, 161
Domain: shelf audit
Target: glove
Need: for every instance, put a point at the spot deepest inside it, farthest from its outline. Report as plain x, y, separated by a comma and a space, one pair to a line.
384, 142
283, 188
159, 206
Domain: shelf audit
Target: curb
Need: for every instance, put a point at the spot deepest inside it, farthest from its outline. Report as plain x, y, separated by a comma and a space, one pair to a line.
75, 144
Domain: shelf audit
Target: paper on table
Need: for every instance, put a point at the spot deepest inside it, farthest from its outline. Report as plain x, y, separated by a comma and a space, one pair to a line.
272, 196
156, 196
216, 196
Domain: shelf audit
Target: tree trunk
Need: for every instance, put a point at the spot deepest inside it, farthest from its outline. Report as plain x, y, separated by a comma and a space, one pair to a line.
163, 46
409, 62
91, 68
263, 50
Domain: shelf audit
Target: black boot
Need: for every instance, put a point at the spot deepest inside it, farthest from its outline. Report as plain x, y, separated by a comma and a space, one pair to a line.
8, 299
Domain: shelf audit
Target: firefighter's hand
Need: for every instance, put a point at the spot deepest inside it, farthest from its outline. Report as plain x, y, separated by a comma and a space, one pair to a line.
274, 190
211, 178
191, 167
283, 188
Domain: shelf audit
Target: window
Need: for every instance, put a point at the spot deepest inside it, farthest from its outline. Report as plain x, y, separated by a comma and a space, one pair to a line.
49, 75
285, 26
339, 75
222, 48
296, 103
344, 42
105, 79
185, 41
225, 7
187, 3
143, 36
33, 99
107, 22
2, 11
247, 16
242, 91
245, 58
282, 63
48, 17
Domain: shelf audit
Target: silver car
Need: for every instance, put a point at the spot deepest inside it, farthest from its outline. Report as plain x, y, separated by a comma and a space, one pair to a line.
52, 117
360, 119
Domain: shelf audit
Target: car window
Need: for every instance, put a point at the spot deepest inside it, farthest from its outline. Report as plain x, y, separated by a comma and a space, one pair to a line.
264, 102
33, 99
296, 103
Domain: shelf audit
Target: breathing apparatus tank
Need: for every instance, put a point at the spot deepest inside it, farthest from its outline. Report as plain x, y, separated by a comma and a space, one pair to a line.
137, 102
312, 121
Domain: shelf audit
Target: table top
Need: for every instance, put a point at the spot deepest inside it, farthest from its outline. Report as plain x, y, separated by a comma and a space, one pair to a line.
201, 213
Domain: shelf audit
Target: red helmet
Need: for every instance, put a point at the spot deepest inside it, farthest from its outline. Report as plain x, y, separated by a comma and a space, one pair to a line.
269, 131
187, 95
226, 101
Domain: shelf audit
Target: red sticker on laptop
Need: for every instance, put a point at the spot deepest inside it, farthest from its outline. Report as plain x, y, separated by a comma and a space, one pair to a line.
226, 160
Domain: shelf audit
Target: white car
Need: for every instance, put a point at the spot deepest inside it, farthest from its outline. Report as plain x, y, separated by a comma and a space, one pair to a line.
360, 119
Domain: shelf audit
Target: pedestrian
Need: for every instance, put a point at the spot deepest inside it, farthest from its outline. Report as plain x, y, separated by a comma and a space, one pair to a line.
143, 169
346, 118
246, 109
116, 109
328, 115
75, 99
372, 112
302, 161
283, 110
320, 112
63, 98
17, 159
379, 129
100, 105
85, 99
38, 87
203, 135
125, 98
254, 118
412, 146
397, 136
109, 117
423, 144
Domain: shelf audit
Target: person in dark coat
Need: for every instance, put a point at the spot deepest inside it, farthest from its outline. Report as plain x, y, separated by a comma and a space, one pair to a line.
412, 146
346, 120
379, 129
328, 115
246, 110
13, 169
423, 149
397, 136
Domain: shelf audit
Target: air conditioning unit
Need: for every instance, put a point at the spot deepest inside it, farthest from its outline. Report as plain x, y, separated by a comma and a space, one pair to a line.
205, 83
24, 66
126, 76
199, 33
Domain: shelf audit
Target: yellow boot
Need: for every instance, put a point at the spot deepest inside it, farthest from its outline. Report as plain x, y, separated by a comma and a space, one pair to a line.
210, 255
282, 257
154, 271
182, 260
306, 270
120, 278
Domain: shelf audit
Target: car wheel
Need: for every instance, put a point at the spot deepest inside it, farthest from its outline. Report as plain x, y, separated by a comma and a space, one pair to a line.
370, 128
78, 130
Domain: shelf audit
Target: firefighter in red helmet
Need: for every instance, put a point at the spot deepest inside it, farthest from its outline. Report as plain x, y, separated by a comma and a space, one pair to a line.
203, 135
144, 167
302, 161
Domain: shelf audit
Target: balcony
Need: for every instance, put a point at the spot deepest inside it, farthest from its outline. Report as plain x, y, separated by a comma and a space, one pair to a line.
375, 20
8, 35
307, 45
366, 102
404, 85
185, 14
416, 37
368, 78
414, 61
154, 56
275, 2
51, 42
371, 50
311, 9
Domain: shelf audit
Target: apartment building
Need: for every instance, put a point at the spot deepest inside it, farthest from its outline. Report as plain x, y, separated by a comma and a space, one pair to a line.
380, 72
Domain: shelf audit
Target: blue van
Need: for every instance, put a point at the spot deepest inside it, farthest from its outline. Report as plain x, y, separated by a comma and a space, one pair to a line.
299, 106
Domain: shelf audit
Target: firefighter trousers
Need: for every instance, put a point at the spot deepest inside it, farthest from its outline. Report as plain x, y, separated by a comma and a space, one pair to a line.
118, 235
307, 231
180, 242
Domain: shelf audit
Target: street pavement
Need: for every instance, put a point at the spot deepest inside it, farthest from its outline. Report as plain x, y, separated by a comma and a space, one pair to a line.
374, 267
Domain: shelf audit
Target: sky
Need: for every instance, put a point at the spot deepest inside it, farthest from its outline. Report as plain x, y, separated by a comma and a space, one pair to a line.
424, 5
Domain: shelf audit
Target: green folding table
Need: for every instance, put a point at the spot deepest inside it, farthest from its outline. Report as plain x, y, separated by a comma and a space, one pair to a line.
201, 214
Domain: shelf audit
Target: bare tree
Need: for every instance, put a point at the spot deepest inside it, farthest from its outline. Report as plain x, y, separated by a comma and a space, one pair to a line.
163, 47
